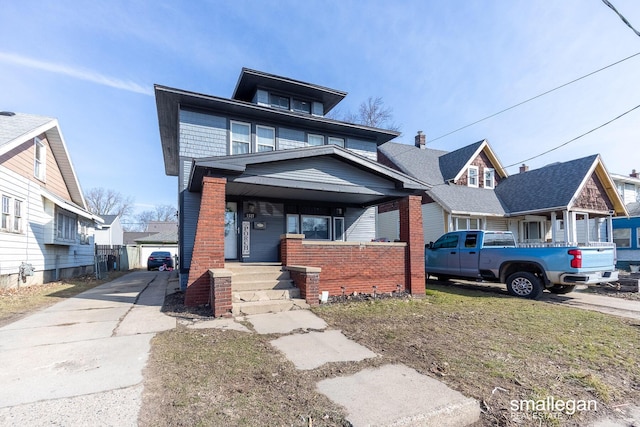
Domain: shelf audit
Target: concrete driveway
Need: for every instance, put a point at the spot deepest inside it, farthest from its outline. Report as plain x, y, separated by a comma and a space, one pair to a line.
80, 362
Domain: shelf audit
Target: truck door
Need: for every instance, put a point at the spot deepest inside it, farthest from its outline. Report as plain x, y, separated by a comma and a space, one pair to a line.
442, 257
468, 255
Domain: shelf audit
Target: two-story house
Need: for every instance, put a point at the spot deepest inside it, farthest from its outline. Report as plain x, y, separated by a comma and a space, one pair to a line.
572, 201
46, 231
626, 231
266, 177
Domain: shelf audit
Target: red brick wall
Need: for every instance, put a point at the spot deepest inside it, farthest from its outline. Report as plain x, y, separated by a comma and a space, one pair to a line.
411, 232
208, 248
356, 266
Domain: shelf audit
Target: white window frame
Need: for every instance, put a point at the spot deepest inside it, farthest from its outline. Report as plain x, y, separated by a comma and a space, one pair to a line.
458, 220
627, 238
474, 176
5, 222
17, 215
261, 142
293, 219
66, 226
39, 162
233, 140
638, 238
315, 136
492, 179
338, 229
336, 141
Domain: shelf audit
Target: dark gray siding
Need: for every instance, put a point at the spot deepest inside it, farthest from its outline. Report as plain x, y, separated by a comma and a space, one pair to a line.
290, 138
265, 243
202, 135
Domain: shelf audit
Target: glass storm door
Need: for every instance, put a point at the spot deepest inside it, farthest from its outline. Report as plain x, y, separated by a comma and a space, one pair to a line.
231, 231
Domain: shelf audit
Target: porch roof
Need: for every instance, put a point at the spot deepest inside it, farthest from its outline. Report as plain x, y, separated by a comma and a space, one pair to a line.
325, 173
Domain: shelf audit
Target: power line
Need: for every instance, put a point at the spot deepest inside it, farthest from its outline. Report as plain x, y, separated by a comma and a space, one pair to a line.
576, 138
536, 97
608, 3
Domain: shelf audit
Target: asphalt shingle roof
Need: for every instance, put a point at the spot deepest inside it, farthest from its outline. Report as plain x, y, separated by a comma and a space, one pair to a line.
548, 187
452, 163
460, 198
12, 127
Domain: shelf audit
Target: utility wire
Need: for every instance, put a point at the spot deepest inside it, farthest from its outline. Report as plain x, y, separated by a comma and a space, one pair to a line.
577, 137
608, 3
536, 97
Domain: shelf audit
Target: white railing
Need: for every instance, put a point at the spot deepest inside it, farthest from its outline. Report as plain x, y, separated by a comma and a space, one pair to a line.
563, 244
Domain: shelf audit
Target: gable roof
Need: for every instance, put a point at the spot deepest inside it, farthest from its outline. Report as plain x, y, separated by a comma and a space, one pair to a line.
17, 128
555, 186
289, 171
108, 219
420, 163
454, 163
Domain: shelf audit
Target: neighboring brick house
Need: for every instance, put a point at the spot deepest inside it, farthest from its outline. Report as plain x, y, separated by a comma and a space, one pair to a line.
626, 231
266, 177
46, 231
572, 201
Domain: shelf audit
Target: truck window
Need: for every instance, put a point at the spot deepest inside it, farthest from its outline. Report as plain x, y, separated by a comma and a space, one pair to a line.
446, 241
471, 241
498, 239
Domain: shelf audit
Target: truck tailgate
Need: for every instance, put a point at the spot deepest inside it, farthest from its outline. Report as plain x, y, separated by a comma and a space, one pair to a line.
597, 258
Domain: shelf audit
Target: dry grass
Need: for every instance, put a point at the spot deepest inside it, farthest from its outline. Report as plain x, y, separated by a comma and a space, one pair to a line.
19, 302
488, 346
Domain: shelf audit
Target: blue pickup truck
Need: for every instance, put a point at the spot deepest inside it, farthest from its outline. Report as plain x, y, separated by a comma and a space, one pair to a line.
494, 256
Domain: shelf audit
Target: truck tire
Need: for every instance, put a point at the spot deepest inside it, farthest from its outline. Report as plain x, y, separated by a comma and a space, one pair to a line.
524, 285
561, 289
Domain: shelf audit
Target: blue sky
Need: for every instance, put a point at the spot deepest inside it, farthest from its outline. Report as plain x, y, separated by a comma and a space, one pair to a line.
439, 65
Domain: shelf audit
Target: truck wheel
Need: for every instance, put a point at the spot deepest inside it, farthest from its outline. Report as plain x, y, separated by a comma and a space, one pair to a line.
524, 285
561, 289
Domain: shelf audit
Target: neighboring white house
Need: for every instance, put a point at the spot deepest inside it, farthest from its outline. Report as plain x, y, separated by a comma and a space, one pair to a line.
111, 232
46, 231
626, 230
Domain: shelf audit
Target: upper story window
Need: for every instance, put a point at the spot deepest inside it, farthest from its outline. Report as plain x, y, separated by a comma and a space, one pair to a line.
39, 159
315, 140
265, 138
489, 178
279, 101
472, 180
240, 138
301, 106
336, 141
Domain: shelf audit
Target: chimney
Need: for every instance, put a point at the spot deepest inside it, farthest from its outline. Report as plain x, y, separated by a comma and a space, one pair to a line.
524, 168
421, 140
633, 174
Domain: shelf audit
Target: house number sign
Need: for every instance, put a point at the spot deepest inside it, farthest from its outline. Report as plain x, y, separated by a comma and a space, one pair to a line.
246, 239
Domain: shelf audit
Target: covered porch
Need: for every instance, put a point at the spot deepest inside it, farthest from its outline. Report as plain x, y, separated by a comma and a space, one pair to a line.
313, 211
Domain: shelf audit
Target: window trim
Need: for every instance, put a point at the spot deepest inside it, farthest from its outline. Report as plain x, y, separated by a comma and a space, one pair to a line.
329, 221
39, 162
336, 229
315, 135
17, 216
66, 226
231, 139
493, 178
621, 238
5, 212
477, 178
259, 144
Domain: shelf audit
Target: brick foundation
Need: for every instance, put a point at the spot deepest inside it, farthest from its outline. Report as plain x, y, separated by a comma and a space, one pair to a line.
220, 292
307, 279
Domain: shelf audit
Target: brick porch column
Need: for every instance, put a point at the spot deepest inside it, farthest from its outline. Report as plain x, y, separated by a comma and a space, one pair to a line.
411, 233
208, 247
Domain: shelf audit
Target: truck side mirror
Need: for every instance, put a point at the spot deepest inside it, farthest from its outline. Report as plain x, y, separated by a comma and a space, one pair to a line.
429, 245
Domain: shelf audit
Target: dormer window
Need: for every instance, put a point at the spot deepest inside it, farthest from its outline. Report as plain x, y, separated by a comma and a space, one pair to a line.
279, 101
472, 173
489, 178
301, 106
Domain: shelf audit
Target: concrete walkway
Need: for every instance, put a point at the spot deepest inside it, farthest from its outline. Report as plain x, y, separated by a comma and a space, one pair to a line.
80, 362
582, 298
389, 395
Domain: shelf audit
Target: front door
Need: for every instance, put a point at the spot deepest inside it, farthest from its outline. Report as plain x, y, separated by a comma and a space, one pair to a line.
231, 231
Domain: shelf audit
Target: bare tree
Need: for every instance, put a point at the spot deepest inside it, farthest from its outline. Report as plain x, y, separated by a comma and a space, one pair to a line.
160, 213
101, 201
371, 112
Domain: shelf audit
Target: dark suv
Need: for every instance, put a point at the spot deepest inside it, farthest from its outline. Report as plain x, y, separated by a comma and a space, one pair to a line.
160, 260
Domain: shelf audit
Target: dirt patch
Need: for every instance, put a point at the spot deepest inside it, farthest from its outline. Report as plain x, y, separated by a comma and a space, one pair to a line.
485, 344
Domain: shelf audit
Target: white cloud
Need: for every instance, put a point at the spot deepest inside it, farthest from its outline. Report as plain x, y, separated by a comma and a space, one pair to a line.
77, 73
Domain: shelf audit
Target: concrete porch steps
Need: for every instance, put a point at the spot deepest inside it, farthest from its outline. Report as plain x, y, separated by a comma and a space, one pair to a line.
262, 288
